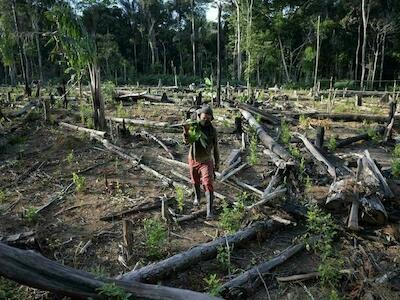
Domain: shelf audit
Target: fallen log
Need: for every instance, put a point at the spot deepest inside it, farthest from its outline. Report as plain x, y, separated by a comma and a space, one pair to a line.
246, 283
266, 198
233, 172
386, 189
34, 270
122, 214
298, 277
267, 140
314, 151
27, 108
145, 133
357, 138
270, 118
280, 163
83, 129
185, 260
230, 168
138, 122
56, 198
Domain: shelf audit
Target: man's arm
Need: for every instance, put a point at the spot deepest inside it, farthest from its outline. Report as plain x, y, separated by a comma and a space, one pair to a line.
186, 134
216, 152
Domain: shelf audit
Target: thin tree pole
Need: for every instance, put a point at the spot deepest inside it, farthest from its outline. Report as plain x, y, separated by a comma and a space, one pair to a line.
238, 37
365, 16
357, 52
317, 56
219, 55
193, 40
382, 57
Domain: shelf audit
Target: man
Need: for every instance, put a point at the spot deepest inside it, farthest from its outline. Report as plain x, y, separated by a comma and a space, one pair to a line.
203, 158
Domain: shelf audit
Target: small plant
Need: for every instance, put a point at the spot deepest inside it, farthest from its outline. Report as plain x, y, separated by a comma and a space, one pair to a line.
396, 168
231, 218
396, 151
373, 134
294, 151
10, 290
252, 156
121, 111
70, 157
332, 144
108, 90
302, 170
86, 114
329, 271
180, 195
79, 181
304, 122
2, 196
224, 257
213, 284
31, 214
285, 133
112, 291
156, 236
98, 271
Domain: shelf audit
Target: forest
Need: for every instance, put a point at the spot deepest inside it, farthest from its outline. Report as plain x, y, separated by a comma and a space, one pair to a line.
196, 149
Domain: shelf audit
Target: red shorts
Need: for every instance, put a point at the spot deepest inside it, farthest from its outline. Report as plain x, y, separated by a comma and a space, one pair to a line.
202, 173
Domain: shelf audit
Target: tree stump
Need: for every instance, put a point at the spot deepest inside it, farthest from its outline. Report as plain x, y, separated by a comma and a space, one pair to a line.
358, 100
319, 138
127, 234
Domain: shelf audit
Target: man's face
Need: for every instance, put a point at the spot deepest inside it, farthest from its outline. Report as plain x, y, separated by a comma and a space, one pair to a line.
205, 118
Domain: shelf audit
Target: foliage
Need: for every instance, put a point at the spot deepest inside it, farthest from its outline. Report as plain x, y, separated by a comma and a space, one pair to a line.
396, 151
179, 195
373, 134
322, 226
294, 151
121, 111
285, 135
196, 134
304, 121
79, 181
156, 237
10, 290
2, 196
332, 144
396, 168
213, 284
86, 113
98, 271
70, 157
112, 291
231, 217
108, 90
224, 258
31, 214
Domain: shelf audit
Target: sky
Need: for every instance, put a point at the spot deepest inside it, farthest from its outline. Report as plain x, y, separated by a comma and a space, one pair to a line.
212, 13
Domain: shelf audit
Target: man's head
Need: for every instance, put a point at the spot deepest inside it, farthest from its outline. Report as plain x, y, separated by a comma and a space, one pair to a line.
205, 115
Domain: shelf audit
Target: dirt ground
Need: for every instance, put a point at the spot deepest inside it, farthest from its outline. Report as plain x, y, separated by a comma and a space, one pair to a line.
39, 161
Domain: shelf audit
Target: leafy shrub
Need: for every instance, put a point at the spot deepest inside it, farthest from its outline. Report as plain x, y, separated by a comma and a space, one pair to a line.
114, 292
332, 144
79, 181
156, 237
180, 195
213, 284
285, 133
231, 218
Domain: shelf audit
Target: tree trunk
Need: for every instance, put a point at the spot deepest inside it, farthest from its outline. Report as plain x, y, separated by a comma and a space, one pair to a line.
98, 101
317, 57
32, 269
365, 16
382, 57
35, 27
283, 59
23, 66
193, 40
219, 56
239, 54
187, 259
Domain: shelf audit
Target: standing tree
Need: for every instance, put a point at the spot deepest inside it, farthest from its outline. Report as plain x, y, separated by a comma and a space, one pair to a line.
80, 53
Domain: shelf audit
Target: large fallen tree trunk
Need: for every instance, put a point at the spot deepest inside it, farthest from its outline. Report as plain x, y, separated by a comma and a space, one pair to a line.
315, 152
138, 122
83, 129
246, 283
32, 269
270, 118
267, 140
185, 260
27, 108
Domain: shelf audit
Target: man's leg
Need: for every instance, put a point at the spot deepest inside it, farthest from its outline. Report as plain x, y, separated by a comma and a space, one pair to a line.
195, 179
207, 178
